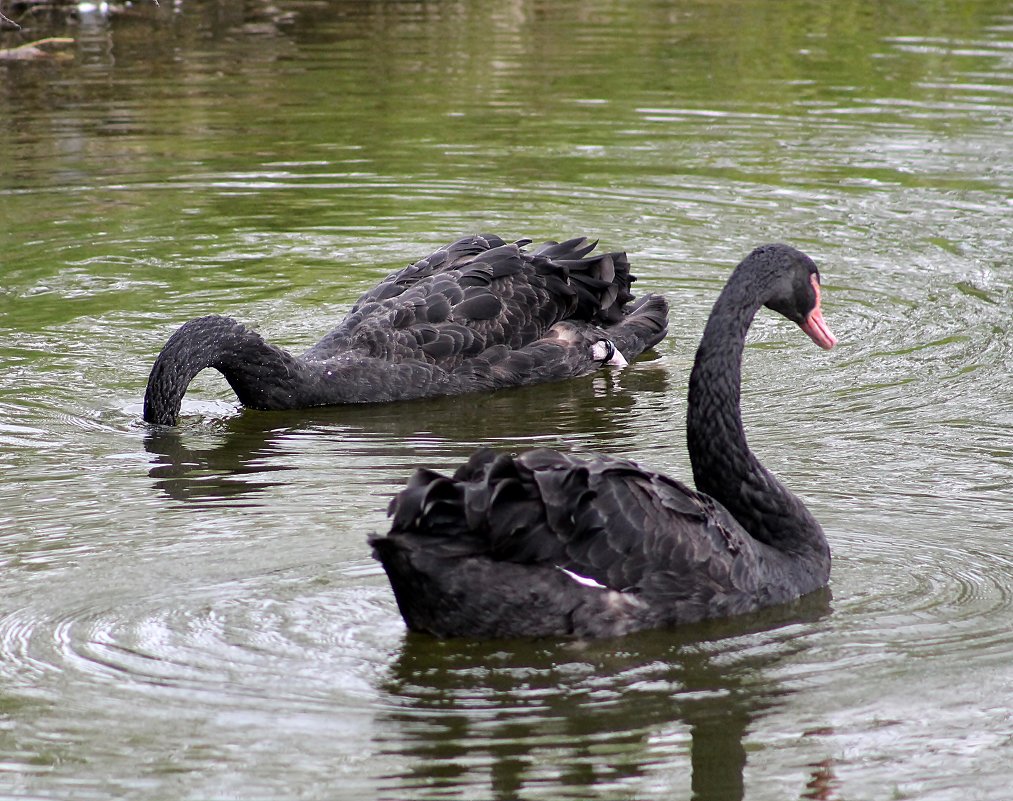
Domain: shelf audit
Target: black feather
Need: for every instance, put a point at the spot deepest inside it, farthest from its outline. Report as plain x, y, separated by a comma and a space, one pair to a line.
478, 305
445, 325
548, 544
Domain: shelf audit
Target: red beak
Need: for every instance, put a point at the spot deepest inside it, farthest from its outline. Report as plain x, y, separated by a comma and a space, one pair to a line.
815, 326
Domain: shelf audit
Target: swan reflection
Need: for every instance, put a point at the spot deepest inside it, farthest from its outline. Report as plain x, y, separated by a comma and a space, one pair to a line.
232, 460
519, 719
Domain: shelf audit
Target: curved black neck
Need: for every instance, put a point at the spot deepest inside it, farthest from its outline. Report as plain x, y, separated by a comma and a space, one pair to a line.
262, 375
723, 465
265, 376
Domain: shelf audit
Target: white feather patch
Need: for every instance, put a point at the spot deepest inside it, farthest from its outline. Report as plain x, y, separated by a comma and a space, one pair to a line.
587, 582
600, 350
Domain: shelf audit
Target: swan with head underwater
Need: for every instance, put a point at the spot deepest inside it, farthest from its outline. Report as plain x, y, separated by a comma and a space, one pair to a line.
478, 314
548, 544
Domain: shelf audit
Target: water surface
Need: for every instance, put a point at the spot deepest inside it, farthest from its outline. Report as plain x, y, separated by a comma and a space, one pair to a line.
194, 614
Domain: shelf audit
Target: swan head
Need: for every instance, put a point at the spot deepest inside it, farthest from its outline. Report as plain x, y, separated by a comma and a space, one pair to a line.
793, 290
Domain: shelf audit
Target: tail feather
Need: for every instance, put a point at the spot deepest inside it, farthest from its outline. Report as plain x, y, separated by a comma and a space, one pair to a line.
491, 559
603, 287
576, 248
494, 504
643, 327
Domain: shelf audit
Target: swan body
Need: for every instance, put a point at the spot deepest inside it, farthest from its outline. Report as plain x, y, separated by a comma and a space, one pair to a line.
478, 314
549, 544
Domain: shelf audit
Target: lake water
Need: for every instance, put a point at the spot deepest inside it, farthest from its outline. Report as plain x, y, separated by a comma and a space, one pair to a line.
194, 614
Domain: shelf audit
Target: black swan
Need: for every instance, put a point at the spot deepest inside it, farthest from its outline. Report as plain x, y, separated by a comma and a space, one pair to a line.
547, 544
478, 314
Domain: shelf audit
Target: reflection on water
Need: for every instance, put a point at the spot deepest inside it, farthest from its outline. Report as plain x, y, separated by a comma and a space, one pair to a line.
489, 719
595, 409
217, 473
194, 614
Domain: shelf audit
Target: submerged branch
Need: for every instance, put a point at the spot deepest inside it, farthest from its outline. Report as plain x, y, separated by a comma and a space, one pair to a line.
33, 50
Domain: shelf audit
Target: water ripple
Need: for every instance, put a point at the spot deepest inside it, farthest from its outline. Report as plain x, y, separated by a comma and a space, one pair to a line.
233, 647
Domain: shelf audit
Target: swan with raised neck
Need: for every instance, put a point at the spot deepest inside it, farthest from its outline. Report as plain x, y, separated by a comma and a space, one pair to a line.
550, 544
